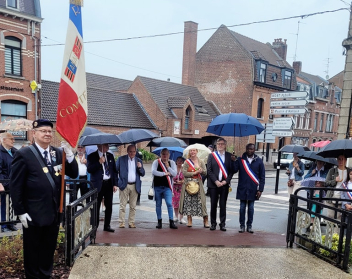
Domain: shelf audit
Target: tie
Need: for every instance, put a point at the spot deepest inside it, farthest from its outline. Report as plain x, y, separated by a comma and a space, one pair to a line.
48, 163
10, 152
106, 166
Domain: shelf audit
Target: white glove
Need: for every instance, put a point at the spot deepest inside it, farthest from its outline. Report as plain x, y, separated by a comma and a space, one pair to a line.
23, 218
67, 148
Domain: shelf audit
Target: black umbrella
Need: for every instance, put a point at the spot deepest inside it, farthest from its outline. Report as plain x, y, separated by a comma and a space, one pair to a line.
312, 155
89, 131
294, 148
167, 142
336, 148
137, 135
100, 138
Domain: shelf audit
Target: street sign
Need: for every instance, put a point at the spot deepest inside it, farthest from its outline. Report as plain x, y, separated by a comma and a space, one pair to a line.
288, 111
284, 123
282, 133
285, 95
288, 103
266, 135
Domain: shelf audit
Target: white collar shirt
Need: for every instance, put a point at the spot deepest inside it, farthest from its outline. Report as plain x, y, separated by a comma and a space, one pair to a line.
105, 177
41, 150
222, 156
131, 169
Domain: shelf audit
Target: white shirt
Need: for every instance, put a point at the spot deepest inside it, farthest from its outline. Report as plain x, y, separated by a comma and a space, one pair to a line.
318, 171
131, 170
41, 150
105, 177
343, 175
82, 168
250, 160
222, 156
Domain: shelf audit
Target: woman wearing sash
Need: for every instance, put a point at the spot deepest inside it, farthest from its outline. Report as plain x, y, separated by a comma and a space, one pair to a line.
194, 205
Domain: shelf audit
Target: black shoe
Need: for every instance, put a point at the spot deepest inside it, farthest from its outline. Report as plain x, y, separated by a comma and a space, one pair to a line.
6, 229
222, 228
213, 227
242, 230
12, 227
172, 224
160, 224
138, 203
108, 229
249, 229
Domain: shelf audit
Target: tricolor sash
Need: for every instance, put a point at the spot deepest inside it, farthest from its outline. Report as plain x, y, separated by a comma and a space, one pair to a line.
249, 171
165, 170
349, 194
191, 164
221, 164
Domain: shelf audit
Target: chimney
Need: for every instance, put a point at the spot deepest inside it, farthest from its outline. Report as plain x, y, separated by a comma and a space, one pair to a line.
280, 47
189, 53
297, 65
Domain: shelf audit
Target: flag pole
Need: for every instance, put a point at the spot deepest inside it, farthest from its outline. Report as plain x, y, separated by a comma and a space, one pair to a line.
62, 182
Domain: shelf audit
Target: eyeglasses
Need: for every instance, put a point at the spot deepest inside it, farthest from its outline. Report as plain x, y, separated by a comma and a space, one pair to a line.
45, 131
221, 143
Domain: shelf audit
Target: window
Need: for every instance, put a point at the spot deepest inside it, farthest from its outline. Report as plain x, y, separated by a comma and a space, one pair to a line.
262, 72
260, 108
13, 56
287, 77
328, 123
12, 3
187, 116
316, 122
13, 110
307, 120
331, 124
321, 122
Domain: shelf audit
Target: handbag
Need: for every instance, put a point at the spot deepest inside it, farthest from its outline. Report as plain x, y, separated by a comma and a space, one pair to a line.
192, 186
290, 183
151, 193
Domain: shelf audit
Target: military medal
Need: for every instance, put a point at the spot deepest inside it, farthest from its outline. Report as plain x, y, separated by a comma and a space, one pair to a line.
57, 173
45, 170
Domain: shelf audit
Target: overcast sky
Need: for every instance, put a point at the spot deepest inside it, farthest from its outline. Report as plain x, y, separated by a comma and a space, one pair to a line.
318, 45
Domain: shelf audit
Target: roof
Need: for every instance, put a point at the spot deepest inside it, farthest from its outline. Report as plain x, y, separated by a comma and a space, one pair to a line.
313, 78
161, 90
107, 83
260, 50
177, 102
29, 7
105, 107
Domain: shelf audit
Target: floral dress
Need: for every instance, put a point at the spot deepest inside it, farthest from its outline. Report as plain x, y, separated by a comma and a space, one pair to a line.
177, 189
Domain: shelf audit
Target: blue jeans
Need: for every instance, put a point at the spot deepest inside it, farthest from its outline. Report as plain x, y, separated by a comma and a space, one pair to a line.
243, 205
163, 192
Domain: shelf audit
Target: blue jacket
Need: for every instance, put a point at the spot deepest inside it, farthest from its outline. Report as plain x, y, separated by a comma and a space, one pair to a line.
323, 173
247, 188
298, 174
5, 163
122, 172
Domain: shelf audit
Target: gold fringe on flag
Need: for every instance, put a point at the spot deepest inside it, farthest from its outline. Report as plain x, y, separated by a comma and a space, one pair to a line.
77, 2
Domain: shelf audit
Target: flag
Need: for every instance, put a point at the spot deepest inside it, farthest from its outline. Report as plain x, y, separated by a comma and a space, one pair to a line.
72, 108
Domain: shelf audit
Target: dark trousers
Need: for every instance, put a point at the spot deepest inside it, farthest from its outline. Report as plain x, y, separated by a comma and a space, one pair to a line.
3, 208
250, 213
216, 194
39, 244
107, 193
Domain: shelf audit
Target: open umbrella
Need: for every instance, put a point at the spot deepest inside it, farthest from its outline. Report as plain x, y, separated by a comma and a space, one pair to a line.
167, 142
175, 151
203, 151
99, 138
312, 155
89, 131
294, 148
336, 148
137, 135
320, 143
235, 124
20, 124
310, 181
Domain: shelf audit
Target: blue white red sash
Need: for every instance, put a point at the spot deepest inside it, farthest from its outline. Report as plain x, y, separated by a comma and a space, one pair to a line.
349, 194
221, 164
191, 164
165, 170
249, 171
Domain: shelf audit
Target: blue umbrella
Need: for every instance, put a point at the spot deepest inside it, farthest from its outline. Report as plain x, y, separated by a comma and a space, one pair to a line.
175, 151
99, 138
89, 131
137, 135
235, 124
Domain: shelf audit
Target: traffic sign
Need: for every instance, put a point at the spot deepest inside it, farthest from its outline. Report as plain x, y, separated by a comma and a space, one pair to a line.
284, 123
288, 111
293, 94
288, 103
282, 133
266, 135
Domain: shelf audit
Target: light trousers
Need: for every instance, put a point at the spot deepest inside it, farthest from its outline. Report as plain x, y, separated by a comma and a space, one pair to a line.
128, 194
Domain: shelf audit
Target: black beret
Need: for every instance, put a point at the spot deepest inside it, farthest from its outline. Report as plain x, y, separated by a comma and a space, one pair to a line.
42, 122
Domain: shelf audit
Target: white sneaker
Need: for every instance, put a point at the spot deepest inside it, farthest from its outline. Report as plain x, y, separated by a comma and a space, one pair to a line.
175, 220
183, 221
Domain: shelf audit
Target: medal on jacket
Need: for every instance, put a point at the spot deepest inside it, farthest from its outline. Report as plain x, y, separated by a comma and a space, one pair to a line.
58, 169
45, 170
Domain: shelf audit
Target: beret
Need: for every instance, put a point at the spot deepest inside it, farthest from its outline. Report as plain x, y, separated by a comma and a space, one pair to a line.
42, 122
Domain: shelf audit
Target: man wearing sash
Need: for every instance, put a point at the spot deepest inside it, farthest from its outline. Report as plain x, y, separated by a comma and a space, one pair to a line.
251, 180
163, 170
35, 186
220, 172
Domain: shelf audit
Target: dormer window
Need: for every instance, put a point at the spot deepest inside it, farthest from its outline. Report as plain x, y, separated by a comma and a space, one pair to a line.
12, 4
262, 72
187, 116
286, 79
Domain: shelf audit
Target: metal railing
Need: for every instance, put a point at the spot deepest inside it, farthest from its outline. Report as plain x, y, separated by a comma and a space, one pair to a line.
7, 214
304, 227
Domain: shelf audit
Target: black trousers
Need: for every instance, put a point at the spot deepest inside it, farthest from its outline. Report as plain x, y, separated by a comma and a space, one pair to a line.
216, 194
39, 244
107, 193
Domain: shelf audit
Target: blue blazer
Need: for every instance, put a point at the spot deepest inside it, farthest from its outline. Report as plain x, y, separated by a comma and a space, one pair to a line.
122, 173
96, 169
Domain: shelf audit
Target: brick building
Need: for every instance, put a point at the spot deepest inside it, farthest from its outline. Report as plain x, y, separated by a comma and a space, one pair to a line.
237, 73
20, 26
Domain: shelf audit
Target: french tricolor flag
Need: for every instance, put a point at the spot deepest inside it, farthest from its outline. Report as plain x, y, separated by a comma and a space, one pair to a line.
72, 108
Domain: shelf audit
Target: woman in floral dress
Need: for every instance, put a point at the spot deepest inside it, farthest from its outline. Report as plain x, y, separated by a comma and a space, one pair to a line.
178, 181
